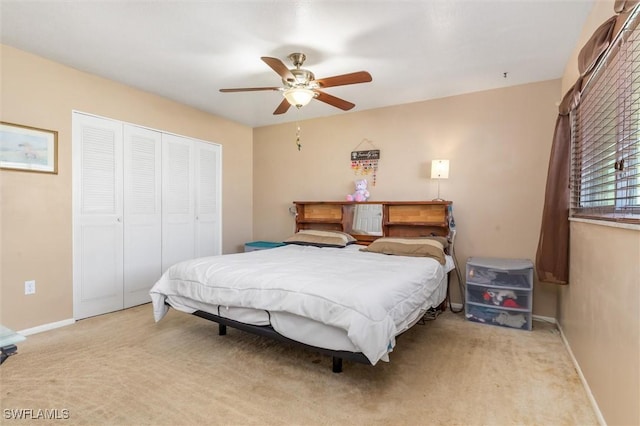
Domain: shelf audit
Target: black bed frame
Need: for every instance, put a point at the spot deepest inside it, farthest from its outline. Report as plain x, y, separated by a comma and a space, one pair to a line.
268, 331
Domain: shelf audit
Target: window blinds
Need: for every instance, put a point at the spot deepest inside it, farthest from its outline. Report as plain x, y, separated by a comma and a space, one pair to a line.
605, 169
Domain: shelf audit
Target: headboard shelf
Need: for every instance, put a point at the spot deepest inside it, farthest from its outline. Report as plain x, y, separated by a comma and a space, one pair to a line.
413, 224
398, 218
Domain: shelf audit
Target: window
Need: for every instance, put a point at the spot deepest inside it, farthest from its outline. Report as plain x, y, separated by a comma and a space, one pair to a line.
605, 151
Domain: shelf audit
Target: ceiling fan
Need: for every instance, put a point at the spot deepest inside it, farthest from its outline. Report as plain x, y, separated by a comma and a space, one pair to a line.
300, 85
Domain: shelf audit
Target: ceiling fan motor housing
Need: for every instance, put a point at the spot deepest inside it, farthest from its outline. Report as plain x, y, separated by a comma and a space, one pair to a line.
303, 78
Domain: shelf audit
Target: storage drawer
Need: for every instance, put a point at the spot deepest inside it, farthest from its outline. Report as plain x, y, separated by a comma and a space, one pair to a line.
499, 297
505, 273
499, 317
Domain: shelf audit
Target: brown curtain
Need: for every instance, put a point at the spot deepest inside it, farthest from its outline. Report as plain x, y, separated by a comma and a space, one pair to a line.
623, 6
596, 46
552, 256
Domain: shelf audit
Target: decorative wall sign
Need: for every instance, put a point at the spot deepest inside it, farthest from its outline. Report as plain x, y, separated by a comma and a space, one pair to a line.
28, 148
373, 154
365, 163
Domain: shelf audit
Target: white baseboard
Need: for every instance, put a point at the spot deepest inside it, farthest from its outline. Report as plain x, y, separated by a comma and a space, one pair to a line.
585, 384
456, 306
552, 320
47, 327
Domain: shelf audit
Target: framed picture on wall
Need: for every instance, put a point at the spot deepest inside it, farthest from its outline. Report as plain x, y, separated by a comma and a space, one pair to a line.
28, 149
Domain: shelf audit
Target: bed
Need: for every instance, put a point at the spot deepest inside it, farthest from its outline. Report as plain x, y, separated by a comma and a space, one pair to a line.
322, 290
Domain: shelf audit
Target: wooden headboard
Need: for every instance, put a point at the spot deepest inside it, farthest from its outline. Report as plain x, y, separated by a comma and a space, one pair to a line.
399, 218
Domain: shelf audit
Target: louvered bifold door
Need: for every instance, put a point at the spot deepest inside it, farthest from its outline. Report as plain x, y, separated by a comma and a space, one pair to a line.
142, 213
98, 216
208, 211
178, 205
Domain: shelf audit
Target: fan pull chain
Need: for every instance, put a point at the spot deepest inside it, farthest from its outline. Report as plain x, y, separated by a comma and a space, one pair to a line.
298, 144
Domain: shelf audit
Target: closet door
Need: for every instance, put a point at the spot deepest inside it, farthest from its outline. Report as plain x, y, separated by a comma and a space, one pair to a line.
98, 215
142, 213
178, 205
208, 189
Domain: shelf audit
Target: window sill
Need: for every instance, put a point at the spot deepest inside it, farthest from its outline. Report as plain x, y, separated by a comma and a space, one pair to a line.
609, 223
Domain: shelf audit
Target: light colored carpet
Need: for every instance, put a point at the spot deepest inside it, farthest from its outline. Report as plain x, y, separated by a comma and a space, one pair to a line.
124, 369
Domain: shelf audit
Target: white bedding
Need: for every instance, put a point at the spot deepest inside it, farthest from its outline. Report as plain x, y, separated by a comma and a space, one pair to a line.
298, 328
368, 295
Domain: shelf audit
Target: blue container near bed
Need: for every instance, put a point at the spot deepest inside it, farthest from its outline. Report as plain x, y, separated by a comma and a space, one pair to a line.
261, 245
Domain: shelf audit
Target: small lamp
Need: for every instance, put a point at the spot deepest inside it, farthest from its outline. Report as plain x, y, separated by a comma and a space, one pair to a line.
439, 170
298, 96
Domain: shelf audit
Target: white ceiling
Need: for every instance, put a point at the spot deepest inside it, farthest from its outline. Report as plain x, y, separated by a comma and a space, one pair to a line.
187, 50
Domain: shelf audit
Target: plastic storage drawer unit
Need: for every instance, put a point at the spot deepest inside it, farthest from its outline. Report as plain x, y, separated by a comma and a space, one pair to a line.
499, 292
261, 245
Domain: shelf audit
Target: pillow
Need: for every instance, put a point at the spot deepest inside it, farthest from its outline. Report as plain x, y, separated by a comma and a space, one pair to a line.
350, 238
442, 240
415, 247
311, 237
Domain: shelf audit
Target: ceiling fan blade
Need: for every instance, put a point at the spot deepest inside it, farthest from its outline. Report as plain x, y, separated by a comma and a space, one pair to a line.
278, 66
333, 101
249, 89
344, 79
282, 108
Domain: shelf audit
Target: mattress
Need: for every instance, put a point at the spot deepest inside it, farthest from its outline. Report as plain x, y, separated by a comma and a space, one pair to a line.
339, 299
298, 328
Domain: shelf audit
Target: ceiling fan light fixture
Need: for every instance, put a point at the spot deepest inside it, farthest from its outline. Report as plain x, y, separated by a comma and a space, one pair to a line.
298, 96
299, 86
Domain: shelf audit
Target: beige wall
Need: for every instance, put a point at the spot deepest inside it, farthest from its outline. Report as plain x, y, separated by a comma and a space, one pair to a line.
36, 208
498, 144
599, 311
600, 316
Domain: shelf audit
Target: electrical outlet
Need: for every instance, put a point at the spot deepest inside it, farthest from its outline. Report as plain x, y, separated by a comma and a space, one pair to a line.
30, 287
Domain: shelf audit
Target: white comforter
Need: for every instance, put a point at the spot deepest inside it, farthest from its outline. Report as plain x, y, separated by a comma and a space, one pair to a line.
369, 295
